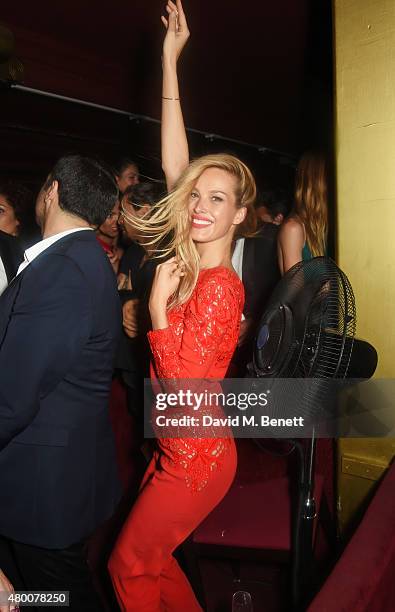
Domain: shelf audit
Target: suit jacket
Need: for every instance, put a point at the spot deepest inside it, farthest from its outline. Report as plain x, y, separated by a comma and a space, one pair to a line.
260, 270
11, 254
260, 276
59, 324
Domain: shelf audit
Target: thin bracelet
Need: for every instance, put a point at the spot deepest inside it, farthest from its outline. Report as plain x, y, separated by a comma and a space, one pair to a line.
164, 98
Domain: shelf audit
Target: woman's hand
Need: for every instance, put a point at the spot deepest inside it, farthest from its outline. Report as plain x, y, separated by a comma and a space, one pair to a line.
115, 257
166, 280
177, 31
125, 281
245, 327
130, 311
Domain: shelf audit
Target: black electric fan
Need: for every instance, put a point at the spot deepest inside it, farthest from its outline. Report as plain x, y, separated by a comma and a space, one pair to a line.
306, 332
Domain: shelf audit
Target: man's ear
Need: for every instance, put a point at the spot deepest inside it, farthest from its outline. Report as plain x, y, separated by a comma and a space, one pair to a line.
240, 215
52, 194
53, 191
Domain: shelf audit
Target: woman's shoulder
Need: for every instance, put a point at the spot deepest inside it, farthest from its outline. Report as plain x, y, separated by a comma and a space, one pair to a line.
292, 226
292, 222
217, 284
219, 275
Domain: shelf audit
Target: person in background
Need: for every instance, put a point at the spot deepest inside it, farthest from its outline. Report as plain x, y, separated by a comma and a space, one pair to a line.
11, 255
304, 233
256, 262
273, 206
135, 277
17, 212
15, 202
107, 234
126, 173
136, 202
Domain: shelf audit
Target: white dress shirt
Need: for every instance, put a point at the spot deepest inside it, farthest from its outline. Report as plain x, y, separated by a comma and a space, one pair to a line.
39, 247
237, 261
3, 277
237, 257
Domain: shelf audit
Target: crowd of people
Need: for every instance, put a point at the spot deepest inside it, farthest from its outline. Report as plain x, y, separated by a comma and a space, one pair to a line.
132, 282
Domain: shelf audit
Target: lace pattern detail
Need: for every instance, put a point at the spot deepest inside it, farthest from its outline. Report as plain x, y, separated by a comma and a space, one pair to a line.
208, 323
199, 344
198, 461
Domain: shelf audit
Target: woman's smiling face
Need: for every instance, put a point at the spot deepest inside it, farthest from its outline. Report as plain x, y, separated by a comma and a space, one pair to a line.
212, 206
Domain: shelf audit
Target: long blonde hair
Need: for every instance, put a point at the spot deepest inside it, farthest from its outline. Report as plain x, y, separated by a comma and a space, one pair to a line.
311, 200
166, 227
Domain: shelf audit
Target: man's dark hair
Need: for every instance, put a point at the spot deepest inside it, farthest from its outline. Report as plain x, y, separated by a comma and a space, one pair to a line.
87, 187
122, 163
277, 201
144, 193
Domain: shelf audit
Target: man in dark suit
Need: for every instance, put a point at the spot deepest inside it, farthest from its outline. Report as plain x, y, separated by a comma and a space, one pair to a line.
260, 270
60, 320
11, 255
255, 260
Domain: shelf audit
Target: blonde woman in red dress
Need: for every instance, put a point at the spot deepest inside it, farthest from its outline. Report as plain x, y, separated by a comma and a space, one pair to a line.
196, 305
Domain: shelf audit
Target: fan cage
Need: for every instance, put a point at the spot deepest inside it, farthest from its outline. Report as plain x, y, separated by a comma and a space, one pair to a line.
321, 300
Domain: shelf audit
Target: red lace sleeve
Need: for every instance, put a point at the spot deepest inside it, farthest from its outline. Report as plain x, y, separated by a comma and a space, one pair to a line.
209, 332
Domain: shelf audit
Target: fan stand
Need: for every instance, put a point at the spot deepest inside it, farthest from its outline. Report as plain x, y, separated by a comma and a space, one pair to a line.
303, 526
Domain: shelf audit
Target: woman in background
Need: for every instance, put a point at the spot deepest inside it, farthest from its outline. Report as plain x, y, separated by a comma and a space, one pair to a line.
303, 234
107, 235
16, 209
195, 304
126, 173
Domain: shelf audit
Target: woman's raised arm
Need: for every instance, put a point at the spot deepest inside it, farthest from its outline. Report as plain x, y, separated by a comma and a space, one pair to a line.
175, 152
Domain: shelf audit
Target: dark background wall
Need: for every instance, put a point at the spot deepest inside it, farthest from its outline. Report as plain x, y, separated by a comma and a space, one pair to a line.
259, 72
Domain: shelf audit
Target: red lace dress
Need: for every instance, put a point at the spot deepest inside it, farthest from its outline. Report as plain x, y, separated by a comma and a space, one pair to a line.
186, 478
199, 344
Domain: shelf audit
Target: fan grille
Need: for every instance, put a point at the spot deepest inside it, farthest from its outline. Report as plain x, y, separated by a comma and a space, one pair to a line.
321, 300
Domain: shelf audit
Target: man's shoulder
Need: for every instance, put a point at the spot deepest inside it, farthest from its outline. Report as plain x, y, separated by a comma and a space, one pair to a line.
268, 231
50, 272
266, 235
84, 240
78, 248
75, 261
71, 255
